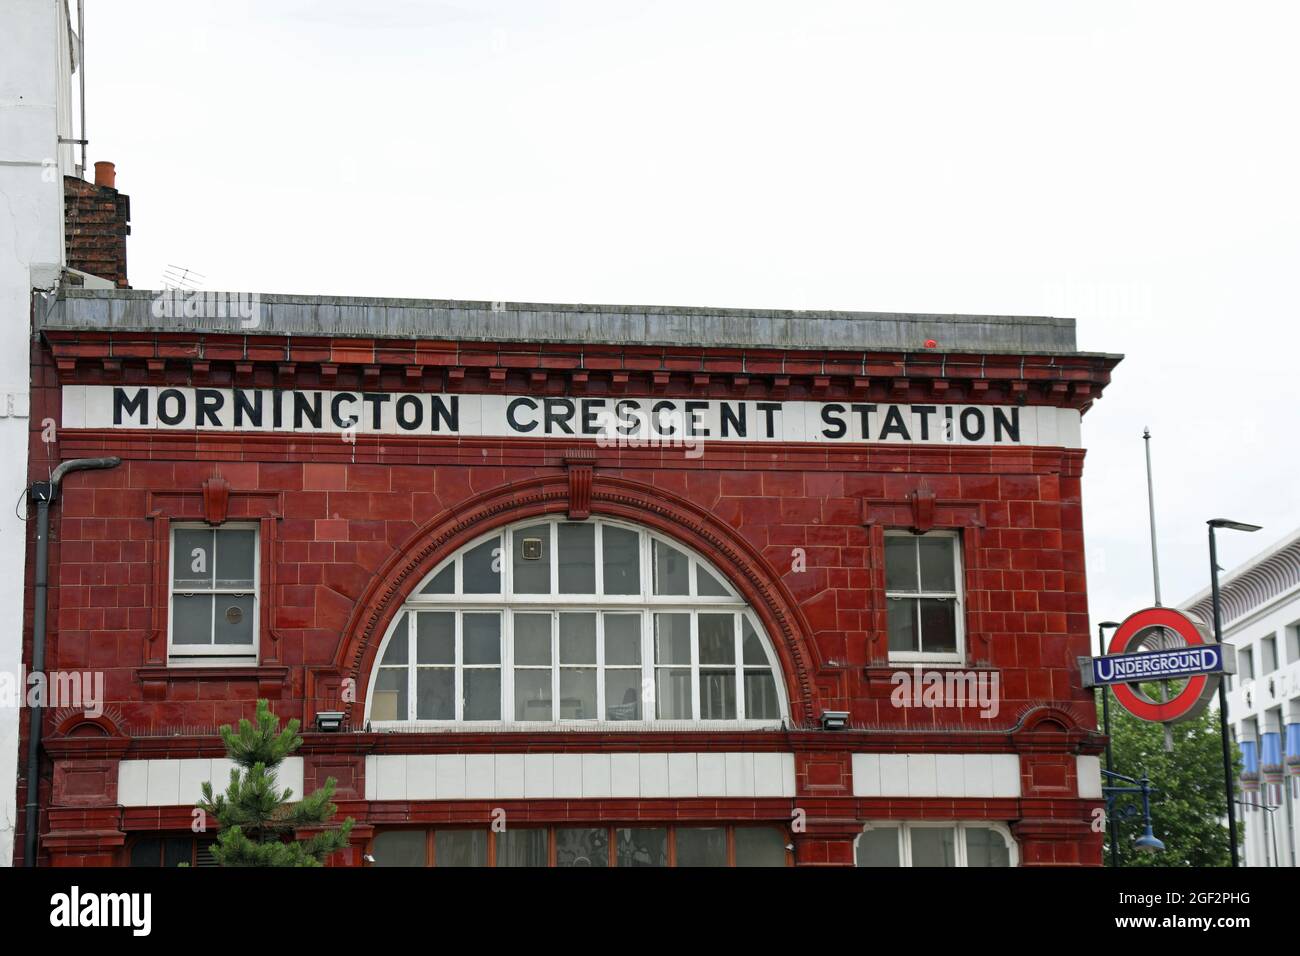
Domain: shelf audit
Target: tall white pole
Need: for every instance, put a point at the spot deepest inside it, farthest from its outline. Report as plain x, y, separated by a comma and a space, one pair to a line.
1155, 567
1151, 508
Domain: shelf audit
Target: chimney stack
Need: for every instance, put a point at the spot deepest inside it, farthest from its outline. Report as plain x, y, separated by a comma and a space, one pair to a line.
96, 221
105, 174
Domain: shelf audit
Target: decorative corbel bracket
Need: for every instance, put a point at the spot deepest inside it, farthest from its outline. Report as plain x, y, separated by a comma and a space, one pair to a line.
216, 500
922, 501
580, 463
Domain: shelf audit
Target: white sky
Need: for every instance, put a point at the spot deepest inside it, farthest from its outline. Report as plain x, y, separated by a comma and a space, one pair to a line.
1130, 164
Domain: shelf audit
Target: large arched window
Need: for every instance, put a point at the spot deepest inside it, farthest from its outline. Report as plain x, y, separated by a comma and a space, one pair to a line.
552, 623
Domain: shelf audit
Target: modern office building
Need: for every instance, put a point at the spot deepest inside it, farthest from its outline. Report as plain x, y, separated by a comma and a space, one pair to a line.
1261, 618
588, 585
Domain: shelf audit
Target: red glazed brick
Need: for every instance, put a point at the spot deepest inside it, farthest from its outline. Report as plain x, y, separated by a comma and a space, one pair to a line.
342, 522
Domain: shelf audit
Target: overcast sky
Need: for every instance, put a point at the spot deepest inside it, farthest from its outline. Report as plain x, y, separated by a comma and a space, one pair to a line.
1129, 164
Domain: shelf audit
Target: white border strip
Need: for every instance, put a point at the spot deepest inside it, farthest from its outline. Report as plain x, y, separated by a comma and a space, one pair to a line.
936, 775
548, 776
174, 783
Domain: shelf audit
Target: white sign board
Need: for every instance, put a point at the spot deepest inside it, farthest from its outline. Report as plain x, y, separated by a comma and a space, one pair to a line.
615, 418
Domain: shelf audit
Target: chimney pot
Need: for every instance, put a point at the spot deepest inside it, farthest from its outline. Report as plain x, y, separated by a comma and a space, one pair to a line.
105, 174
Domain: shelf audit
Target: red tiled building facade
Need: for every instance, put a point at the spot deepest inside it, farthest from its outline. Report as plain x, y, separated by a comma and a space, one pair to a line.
589, 585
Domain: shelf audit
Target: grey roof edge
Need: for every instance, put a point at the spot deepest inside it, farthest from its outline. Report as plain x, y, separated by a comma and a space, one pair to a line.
575, 323
1230, 577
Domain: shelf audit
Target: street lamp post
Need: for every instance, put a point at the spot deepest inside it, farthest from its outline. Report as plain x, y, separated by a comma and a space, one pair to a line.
1223, 694
1270, 824
1102, 628
1147, 842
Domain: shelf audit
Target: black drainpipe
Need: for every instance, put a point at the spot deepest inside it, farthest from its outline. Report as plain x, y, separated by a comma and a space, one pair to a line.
44, 493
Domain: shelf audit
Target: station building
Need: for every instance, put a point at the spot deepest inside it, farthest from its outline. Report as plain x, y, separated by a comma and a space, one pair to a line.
568, 584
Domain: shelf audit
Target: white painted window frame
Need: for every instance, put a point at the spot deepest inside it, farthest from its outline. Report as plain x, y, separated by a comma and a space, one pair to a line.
904, 830
957, 596
1246, 663
214, 654
1267, 645
646, 604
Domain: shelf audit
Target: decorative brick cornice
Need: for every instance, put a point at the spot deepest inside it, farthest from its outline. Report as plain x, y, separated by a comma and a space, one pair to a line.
158, 358
884, 740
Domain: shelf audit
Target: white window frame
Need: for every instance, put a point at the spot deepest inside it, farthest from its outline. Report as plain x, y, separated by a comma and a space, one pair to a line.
645, 604
1268, 648
957, 596
904, 830
212, 655
1246, 663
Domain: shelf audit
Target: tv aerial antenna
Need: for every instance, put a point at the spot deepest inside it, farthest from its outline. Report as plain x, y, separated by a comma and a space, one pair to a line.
181, 278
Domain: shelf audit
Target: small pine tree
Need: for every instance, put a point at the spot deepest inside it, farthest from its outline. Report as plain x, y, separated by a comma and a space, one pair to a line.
257, 820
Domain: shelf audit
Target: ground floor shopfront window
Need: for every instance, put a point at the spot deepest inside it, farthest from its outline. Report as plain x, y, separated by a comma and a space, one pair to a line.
170, 850
578, 846
905, 843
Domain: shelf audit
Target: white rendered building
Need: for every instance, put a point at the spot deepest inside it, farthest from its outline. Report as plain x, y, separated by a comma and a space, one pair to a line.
40, 52
1261, 618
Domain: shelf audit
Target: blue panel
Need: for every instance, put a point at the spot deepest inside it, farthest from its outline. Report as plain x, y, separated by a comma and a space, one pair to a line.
1270, 751
1293, 743
1249, 758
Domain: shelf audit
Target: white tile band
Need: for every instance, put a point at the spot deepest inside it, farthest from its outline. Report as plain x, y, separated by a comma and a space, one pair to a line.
1088, 770
936, 775
161, 783
547, 776
171, 783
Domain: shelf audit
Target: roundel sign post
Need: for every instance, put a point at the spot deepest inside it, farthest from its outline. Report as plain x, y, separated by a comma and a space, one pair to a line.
1139, 652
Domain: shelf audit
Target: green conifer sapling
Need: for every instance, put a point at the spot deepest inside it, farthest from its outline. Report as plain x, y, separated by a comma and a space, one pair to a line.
258, 821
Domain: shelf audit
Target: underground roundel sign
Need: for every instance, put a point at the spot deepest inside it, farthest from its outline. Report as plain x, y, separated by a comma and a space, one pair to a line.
1161, 644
